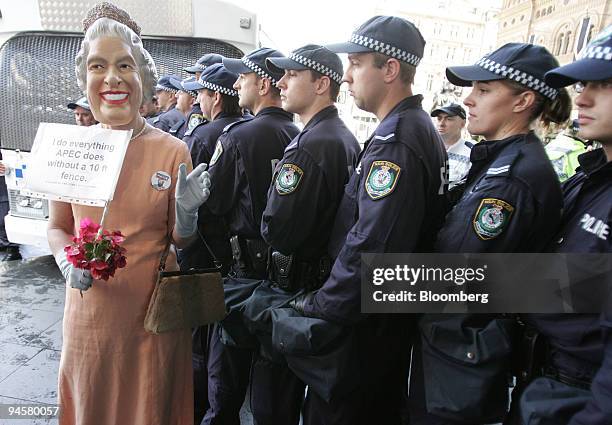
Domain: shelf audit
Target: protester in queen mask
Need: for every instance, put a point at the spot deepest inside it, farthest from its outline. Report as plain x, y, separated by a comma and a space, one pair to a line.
111, 370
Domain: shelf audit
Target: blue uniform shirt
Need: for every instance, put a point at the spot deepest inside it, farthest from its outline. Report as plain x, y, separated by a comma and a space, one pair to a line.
511, 202
394, 202
202, 139
307, 186
241, 168
576, 344
194, 119
168, 119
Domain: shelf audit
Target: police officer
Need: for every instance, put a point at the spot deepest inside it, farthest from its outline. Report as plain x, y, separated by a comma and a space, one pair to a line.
564, 150
511, 203
241, 167
149, 109
185, 99
307, 186
393, 202
166, 97
577, 384
219, 103
82, 112
450, 121
195, 117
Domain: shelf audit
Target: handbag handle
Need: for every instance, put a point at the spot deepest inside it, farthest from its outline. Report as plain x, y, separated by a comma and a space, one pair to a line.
164, 256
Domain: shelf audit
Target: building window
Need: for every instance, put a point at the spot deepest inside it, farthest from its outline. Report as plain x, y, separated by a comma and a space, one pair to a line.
566, 42
591, 29
537, 14
559, 44
549, 10
429, 81
522, 18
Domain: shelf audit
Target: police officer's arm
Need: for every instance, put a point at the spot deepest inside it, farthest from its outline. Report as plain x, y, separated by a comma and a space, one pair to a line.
390, 220
297, 193
224, 172
598, 409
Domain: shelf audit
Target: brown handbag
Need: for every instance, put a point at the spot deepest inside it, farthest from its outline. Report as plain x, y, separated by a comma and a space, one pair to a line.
185, 299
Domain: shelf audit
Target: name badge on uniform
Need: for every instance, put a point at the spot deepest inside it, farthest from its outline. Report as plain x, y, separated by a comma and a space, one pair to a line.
491, 218
160, 180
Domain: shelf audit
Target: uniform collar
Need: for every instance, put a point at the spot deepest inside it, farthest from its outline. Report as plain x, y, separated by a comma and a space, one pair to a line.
226, 115
327, 112
594, 162
491, 148
274, 110
411, 102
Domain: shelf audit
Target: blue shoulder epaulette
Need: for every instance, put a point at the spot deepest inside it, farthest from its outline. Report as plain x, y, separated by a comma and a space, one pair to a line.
385, 132
233, 124
502, 165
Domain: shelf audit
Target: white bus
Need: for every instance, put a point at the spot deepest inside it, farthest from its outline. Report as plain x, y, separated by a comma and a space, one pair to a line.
39, 42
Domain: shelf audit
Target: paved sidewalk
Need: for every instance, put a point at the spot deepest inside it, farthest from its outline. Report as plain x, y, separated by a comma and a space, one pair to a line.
31, 309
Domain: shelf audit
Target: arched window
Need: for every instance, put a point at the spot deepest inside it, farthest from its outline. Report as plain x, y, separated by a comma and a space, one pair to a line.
566, 42
559, 44
549, 10
538, 14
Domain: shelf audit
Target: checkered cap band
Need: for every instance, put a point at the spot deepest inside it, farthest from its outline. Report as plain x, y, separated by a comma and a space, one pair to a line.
191, 93
385, 49
598, 52
258, 70
217, 87
519, 76
320, 68
164, 88
200, 66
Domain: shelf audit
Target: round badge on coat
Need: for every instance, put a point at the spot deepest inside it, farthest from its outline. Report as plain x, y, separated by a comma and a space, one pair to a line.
160, 180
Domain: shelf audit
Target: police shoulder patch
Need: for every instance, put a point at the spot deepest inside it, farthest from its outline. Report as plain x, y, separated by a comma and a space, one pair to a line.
217, 153
491, 218
382, 179
288, 179
194, 120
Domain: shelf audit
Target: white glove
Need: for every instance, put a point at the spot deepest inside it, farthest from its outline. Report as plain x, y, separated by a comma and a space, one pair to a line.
191, 191
76, 278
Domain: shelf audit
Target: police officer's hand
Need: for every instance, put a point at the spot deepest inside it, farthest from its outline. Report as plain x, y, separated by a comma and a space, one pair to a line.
76, 278
192, 190
299, 302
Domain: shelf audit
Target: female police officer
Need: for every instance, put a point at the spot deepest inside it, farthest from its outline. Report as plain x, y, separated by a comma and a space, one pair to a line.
511, 202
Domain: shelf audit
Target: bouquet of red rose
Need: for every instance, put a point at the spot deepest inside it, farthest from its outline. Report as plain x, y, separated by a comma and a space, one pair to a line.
97, 250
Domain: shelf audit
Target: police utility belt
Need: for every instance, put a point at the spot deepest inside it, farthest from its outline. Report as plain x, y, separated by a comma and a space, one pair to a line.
250, 256
291, 274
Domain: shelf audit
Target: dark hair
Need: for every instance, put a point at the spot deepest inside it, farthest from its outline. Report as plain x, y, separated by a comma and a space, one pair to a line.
407, 71
334, 88
274, 91
229, 104
548, 111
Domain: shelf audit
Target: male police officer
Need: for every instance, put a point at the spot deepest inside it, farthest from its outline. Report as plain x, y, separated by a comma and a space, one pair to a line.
82, 112
218, 102
450, 122
394, 202
307, 187
241, 167
196, 117
166, 96
577, 384
185, 100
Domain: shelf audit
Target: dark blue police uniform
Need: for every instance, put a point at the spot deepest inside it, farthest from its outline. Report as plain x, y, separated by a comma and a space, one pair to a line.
241, 171
511, 202
577, 384
302, 201
169, 119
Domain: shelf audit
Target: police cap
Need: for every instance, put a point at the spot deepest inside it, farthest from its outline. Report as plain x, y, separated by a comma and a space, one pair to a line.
255, 62
523, 63
165, 83
216, 78
595, 63
312, 56
82, 102
389, 35
180, 85
205, 61
452, 109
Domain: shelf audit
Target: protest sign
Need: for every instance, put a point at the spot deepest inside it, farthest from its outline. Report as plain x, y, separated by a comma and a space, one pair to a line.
75, 163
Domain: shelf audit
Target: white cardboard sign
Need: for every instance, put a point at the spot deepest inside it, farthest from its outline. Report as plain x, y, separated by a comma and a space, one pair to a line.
76, 164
